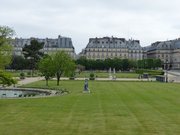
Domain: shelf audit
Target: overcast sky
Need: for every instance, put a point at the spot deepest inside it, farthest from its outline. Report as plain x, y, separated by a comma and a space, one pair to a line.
145, 20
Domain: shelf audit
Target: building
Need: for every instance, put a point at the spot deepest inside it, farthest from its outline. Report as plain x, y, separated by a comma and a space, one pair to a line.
167, 51
50, 45
111, 47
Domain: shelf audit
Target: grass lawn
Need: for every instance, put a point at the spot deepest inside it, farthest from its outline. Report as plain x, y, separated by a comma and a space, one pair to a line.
82, 75
113, 108
106, 74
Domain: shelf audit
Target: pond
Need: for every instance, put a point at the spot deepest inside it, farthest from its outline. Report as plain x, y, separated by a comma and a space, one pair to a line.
20, 93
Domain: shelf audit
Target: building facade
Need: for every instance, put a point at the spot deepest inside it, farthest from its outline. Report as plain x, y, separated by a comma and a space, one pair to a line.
167, 51
50, 45
111, 47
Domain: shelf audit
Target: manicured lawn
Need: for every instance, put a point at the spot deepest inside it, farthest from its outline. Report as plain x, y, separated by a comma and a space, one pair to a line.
113, 108
106, 74
82, 74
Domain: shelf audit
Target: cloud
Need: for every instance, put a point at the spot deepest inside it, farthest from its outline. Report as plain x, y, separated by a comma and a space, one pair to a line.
147, 20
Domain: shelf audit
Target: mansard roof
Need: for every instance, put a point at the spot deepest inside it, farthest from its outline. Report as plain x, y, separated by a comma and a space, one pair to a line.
164, 45
113, 42
177, 44
60, 42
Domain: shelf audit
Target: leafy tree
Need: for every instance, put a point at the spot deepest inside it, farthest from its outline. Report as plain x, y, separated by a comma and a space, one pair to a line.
6, 78
82, 61
18, 63
157, 63
80, 68
63, 64
125, 64
46, 67
5, 47
33, 53
5, 54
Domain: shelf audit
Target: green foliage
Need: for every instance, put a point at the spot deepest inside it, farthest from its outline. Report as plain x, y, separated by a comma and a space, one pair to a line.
91, 76
33, 53
19, 63
6, 79
5, 55
63, 64
149, 63
5, 48
22, 75
117, 63
47, 68
150, 72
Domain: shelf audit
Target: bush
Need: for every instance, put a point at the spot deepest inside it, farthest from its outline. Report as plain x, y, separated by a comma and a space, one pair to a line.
150, 72
22, 75
28, 73
91, 76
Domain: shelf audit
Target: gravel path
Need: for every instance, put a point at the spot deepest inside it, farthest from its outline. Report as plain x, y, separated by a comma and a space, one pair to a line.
29, 80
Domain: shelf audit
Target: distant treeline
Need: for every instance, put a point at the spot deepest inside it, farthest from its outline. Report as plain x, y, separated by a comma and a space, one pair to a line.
20, 63
119, 64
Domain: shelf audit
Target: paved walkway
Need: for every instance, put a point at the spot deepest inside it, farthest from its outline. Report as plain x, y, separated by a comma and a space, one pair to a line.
110, 79
29, 80
34, 79
173, 76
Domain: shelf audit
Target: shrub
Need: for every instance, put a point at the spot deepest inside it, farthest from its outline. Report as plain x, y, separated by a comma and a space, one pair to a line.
22, 75
28, 73
91, 76
150, 72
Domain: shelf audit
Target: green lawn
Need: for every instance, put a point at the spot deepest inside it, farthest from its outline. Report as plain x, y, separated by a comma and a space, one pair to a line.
82, 74
113, 108
106, 74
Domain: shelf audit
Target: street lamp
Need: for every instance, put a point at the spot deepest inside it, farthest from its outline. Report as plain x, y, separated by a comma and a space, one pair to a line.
166, 65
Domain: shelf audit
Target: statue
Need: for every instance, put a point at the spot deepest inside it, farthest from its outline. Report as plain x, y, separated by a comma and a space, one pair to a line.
110, 76
114, 71
86, 85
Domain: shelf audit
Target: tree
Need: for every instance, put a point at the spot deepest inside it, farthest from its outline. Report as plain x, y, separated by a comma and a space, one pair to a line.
125, 64
5, 47
6, 78
33, 53
63, 64
18, 63
46, 67
157, 63
5, 54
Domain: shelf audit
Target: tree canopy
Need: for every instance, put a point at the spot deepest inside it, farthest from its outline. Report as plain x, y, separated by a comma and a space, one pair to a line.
46, 67
33, 53
5, 54
63, 64
5, 47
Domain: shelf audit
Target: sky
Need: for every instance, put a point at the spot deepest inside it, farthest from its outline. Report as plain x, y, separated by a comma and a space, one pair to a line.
145, 20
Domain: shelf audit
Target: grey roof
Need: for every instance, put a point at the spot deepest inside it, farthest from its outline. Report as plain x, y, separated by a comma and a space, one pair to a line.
60, 42
164, 45
112, 42
176, 44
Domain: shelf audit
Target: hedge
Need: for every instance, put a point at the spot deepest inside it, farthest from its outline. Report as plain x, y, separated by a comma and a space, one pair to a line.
150, 72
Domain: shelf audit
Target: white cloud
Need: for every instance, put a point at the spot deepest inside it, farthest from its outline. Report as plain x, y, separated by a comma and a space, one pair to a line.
146, 20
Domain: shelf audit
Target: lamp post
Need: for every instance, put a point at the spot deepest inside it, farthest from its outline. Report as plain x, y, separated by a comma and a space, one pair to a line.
166, 64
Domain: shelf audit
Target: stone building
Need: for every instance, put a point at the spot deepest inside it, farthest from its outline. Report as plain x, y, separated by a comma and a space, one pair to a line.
111, 47
50, 45
167, 51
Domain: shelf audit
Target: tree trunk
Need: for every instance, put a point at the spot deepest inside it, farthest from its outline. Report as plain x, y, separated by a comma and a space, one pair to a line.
58, 81
58, 78
46, 82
